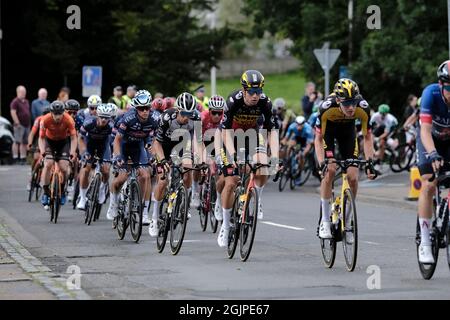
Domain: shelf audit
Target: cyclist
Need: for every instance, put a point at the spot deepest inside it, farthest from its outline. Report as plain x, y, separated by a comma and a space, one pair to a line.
94, 140
57, 142
72, 109
313, 118
283, 116
211, 120
336, 120
93, 102
412, 124
383, 125
433, 146
134, 133
180, 119
244, 108
158, 106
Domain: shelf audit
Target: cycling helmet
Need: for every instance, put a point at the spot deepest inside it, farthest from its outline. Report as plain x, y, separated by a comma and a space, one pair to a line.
217, 103
346, 89
57, 107
186, 102
143, 98
94, 101
72, 105
252, 79
443, 72
158, 104
300, 120
279, 103
114, 109
384, 109
105, 111
169, 103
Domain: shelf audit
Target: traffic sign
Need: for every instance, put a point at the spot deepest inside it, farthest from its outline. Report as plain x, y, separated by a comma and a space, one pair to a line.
327, 58
92, 80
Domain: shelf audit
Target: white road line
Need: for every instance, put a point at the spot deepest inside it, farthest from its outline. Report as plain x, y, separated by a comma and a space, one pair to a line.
373, 243
282, 226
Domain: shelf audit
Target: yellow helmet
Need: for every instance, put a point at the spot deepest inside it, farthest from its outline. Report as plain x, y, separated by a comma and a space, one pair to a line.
252, 79
346, 89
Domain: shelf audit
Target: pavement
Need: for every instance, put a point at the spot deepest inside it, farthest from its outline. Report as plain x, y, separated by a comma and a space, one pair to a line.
285, 263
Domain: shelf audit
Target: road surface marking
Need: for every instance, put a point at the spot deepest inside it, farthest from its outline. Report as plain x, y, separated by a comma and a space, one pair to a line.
282, 226
373, 243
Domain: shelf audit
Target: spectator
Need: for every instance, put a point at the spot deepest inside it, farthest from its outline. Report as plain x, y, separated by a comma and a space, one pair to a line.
38, 105
158, 95
118, 98
64, 94
411, 105
202, 99
21, 115
308, 99
131, 92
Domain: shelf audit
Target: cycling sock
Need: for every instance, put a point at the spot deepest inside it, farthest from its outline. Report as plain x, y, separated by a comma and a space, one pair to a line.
83, 193
153, 197
195, 187
226, 218
326, 210
155, 210
146, 207
425, 225
259, 191
114, 197
218, 198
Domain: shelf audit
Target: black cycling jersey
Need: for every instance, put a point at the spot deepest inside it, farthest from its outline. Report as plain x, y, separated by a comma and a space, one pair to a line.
240, 116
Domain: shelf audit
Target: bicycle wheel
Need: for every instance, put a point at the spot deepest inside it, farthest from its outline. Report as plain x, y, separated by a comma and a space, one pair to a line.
248, 226
308, 168
203, 209
135, 211
327, 246
122, 220
350, 233
235, 224
212, 206
178, 220
92, 196
32, 185
427, 270
56, 197
37, 185
284, 176
447, 245
401, 158
76, 194
163, 225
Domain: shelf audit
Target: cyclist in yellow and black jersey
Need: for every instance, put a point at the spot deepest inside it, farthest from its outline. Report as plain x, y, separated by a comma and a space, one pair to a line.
337, 116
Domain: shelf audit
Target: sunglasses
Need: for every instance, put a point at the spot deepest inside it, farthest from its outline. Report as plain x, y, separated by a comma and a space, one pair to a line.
142, 109
72, 113
104, 118
93, 108
253, 91
216, 113
348, 103
186, 114
446, 88
58, 113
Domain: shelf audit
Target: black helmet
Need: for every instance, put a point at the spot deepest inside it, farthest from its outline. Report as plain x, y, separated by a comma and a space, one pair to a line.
186, 102
252, 79
57, 107
72, 105
346, 89
443, 72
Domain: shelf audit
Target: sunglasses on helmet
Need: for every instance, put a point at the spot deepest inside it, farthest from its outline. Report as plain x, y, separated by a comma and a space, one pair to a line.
253, 91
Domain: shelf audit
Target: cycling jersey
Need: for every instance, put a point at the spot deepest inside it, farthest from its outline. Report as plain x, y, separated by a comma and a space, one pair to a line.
156, 115
81, 116
240, 116
330, 111
57, 131
167, 125
434, 110
134, 130
36, 126
389, 122
313, 119
306, 134
207, 123
97, 138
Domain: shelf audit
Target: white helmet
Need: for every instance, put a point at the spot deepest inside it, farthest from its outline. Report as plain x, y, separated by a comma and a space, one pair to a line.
279, 103
94, 100
216, 103
143, 98
300, 120
114, 108
105, 111
186, 102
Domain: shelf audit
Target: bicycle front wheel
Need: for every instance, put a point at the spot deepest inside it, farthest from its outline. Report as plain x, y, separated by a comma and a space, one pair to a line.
427, 270
163, 225
212, 204
56, 198
135, 210
350, 232
203, 209
92, 196
248, 226
327, 246
178, 220
235, 224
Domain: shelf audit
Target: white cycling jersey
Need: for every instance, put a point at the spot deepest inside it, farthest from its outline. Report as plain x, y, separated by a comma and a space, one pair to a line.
389, 121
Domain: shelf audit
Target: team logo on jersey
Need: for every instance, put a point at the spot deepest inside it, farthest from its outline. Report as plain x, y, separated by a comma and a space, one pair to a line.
239, 95
166, 117
364, 104
326, 104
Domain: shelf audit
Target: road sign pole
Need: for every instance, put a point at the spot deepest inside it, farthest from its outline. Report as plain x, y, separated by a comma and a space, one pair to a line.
327, 72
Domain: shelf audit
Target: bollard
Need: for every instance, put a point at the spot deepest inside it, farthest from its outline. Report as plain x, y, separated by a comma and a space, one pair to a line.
416, 184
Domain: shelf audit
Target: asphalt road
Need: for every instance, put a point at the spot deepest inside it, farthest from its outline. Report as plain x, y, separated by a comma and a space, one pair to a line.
285, 263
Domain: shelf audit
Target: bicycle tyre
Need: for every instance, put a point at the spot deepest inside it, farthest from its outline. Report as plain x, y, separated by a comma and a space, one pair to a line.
308, 168
350, 258
235, 224
203, 209
163, 224
248, 227
76, 194
122, 223
135, 211
401, 162
57, 198
92, 197
327, 246
179, 219
212, 206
